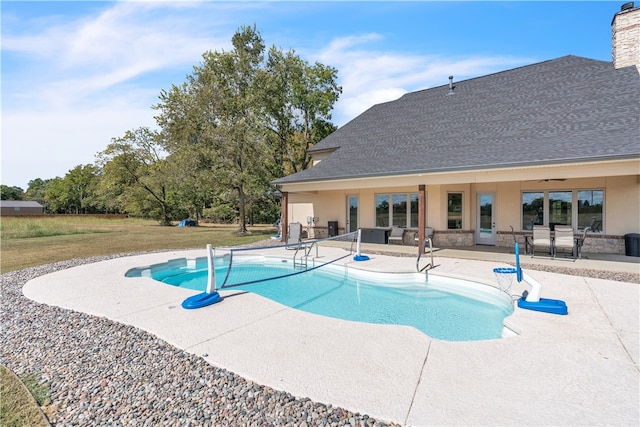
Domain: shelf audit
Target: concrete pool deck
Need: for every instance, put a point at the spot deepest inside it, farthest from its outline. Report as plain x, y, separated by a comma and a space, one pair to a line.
579, 369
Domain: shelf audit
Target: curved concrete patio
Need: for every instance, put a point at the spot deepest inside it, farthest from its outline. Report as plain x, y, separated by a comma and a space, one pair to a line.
579, 369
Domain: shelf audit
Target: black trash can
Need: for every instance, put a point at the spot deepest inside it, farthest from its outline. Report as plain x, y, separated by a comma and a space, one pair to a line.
333, 228
632, 244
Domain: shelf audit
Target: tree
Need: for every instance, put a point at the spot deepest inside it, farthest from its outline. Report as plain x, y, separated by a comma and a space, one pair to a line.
247, 121
297, 99
190, 173
37, 190
134, 167
75, 193
57, 200
10, 193
81, 183
215, 114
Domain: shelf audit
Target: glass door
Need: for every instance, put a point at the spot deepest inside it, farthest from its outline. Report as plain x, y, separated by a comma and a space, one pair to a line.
352, 213
486, 234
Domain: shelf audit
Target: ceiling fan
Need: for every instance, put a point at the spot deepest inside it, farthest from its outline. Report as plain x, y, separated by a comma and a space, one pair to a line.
552, 179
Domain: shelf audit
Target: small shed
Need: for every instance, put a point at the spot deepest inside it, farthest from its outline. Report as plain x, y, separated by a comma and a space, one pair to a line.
20, 207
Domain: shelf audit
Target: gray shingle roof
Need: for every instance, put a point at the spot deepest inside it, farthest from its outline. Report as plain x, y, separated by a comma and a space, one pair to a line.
565, 110
19, 204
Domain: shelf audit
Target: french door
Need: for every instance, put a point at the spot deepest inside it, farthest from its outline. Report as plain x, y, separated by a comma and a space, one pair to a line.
486, 223
352, 213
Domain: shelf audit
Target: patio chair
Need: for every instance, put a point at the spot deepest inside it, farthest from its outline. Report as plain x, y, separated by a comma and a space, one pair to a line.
541, 237
396, 235
564, 239
580, 242
595, 225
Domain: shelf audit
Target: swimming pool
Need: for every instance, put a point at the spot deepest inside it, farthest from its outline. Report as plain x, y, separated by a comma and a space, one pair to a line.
444, 308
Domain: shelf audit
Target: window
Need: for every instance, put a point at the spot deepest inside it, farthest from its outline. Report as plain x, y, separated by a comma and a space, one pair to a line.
382, 210
590, 209
560, 208
580, 209
454, 211
399, 210
414, 210
532, 210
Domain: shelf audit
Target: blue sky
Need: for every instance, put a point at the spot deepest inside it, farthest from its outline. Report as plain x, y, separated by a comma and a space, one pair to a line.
76, 74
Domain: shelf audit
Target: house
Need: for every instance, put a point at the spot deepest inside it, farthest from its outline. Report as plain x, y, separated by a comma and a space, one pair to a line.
556, 142
20, 207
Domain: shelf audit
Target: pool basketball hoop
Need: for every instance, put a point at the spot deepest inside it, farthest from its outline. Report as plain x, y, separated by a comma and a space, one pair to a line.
505, 276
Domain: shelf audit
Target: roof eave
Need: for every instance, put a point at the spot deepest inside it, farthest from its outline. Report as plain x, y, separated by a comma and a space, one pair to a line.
472, 168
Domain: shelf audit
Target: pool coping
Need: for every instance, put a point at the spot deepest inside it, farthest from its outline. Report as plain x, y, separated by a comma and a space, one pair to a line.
577, 369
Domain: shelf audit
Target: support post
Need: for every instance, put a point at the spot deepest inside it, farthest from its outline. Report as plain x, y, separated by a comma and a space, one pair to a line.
359, 256
284, 219
210, 296
422, 214
211, 279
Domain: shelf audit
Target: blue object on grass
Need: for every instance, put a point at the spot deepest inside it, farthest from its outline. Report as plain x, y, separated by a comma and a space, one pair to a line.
201, 300
187, 223
545, 305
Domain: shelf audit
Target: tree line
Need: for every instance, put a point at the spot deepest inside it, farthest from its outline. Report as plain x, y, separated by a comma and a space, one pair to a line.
241, 119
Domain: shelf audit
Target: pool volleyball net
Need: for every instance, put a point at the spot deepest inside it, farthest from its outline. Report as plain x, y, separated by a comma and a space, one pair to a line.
242, 266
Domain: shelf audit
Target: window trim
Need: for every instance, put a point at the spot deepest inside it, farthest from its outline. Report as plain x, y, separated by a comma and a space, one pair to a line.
546, 206
408, 215
575, 198
461, 193
572, 196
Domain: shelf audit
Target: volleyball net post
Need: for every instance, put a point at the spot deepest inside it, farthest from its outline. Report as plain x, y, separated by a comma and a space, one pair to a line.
211, 275
210, 296
359, 256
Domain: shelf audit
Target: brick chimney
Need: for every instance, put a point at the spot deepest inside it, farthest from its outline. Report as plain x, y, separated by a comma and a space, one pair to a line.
625, 36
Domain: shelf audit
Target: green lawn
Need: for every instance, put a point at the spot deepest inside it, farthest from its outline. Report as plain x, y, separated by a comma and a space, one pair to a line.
31, 241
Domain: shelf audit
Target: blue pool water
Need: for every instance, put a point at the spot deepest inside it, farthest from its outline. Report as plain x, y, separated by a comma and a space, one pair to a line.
444, 308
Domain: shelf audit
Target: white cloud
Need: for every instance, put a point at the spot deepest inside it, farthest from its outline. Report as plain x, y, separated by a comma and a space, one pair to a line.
86, 81
88, 56
123, 36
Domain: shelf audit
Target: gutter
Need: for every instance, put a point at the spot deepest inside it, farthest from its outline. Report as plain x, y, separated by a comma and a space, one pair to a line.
472, 168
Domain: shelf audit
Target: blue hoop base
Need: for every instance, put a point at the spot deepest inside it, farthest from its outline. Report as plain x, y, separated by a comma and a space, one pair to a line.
201, 300
545, 305
361, 258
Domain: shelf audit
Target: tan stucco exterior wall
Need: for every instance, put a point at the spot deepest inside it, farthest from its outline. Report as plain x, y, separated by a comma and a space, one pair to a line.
323, 207
621, 205
436, 205
622, 202
622, 208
